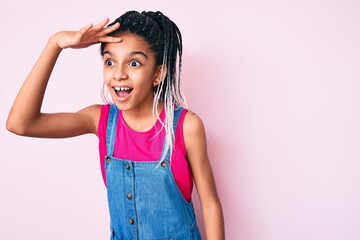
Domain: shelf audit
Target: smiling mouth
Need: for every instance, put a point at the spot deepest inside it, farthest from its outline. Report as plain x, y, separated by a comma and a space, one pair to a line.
123, 91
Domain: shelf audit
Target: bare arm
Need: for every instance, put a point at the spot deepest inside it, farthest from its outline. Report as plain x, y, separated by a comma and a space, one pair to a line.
195, 143
25, 117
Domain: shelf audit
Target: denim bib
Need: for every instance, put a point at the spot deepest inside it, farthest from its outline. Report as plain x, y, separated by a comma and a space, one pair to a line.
144, 201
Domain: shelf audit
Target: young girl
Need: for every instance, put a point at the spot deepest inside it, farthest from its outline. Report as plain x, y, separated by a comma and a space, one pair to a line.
151, 148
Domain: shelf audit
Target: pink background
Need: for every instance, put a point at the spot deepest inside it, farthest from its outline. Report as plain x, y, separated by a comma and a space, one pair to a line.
275, 82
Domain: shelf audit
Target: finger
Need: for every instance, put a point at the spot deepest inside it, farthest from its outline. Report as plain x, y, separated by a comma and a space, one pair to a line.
111, 28
108, 39
86, 28
102, 24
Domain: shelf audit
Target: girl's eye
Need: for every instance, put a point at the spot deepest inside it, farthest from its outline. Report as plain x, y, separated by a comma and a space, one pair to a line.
134, 63
109, 63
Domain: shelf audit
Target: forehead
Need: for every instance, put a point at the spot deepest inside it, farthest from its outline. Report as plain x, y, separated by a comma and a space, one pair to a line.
130, 43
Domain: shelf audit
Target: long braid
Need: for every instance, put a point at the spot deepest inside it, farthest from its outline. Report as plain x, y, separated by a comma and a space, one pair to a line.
164, 38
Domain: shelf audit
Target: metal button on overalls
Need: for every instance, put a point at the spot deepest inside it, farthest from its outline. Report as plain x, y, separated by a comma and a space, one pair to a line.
127, 166
129, 196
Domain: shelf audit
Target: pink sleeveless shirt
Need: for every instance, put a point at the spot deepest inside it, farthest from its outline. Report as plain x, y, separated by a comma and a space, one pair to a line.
147, 146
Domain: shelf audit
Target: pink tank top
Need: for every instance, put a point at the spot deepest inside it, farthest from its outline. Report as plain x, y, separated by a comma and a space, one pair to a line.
147, 146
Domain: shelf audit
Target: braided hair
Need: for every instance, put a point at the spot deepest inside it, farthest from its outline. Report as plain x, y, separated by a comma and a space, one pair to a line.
164, 39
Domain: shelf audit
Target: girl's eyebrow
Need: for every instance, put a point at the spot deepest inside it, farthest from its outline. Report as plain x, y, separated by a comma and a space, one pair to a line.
140, 53
131, 53
106, 52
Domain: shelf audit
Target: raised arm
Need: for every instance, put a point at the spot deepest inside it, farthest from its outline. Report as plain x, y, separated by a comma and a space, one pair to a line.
25, 117
195, 143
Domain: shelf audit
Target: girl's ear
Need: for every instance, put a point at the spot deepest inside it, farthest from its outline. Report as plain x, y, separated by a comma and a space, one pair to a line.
160, 74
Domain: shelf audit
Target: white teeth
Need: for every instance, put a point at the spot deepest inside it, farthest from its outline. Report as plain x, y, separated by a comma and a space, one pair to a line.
121, 88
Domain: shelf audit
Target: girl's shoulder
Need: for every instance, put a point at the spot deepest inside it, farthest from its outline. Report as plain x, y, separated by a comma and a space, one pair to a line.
195, 142
192, 122
193, 128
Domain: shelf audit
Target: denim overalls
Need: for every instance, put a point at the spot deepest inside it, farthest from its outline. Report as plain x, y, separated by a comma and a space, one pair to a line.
144, 200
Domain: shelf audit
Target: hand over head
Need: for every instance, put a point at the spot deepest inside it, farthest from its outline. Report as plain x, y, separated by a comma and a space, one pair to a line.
87, 36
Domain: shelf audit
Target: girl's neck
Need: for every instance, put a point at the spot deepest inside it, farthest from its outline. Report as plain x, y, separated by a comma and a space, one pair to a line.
141, 120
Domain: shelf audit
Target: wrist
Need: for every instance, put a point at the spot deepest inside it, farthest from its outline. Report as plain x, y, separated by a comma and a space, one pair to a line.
54, 42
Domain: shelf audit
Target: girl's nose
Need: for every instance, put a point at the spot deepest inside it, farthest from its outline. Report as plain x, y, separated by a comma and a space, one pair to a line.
120, 73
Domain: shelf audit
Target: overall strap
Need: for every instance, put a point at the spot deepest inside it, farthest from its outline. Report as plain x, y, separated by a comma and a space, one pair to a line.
177, 113
111, 129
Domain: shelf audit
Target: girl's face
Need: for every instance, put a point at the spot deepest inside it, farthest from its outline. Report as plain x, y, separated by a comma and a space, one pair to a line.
130, 72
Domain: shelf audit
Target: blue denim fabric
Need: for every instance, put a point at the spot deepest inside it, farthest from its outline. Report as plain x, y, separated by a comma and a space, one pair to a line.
144, 201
